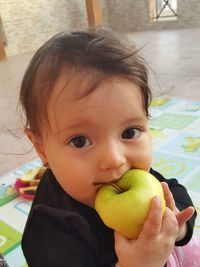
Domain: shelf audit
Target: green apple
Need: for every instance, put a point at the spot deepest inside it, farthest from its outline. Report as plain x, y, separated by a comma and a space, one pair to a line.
124, 205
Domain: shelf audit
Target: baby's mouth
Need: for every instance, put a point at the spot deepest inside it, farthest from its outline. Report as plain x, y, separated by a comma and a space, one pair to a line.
99, 183
113, 184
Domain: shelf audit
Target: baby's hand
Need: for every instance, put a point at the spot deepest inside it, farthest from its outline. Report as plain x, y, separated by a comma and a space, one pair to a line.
155, 242
181, 216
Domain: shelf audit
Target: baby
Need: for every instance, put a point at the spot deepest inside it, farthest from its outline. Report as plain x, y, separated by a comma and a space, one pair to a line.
86, 98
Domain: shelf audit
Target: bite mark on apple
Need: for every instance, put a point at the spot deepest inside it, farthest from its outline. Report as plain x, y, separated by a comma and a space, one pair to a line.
118, 189
115, 186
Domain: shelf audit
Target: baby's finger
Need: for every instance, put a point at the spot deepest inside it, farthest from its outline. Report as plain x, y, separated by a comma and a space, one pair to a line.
169, 224
168, 196
184, 215
152, 225
121, 243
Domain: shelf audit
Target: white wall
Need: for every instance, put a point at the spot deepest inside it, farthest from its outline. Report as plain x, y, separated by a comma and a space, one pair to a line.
29, 23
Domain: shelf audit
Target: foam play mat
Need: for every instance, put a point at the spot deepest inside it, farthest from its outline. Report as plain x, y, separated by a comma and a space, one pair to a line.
175, 129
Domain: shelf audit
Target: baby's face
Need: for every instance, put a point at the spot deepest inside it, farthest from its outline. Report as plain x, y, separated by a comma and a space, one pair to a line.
96, 138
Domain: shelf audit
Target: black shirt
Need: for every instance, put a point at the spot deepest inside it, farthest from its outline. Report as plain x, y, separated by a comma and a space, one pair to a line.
62, 232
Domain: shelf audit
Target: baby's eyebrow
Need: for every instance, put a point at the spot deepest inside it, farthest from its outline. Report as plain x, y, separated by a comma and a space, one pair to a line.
135, 120
74, 126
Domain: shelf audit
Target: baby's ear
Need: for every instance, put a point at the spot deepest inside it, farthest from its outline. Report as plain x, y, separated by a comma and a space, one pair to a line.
37, 143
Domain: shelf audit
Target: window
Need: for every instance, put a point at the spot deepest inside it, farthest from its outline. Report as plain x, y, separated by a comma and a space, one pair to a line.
163, 10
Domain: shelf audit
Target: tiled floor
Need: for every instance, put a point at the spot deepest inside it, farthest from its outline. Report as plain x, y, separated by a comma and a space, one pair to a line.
174, 59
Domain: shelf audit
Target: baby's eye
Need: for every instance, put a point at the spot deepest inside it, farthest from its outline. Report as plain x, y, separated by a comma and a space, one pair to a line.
80, 141
131, 133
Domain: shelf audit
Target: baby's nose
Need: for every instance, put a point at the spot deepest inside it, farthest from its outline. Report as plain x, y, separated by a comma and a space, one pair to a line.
112, 158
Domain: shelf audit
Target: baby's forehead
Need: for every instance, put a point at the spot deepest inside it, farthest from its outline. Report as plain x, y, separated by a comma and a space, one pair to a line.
112, 101
79, 82
81, 91
74, 84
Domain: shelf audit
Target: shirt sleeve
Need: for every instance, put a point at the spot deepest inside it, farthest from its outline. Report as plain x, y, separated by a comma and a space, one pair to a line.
182, 200
58, 238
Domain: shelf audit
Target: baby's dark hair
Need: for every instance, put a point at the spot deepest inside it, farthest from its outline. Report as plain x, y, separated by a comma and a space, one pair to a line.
98, 50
